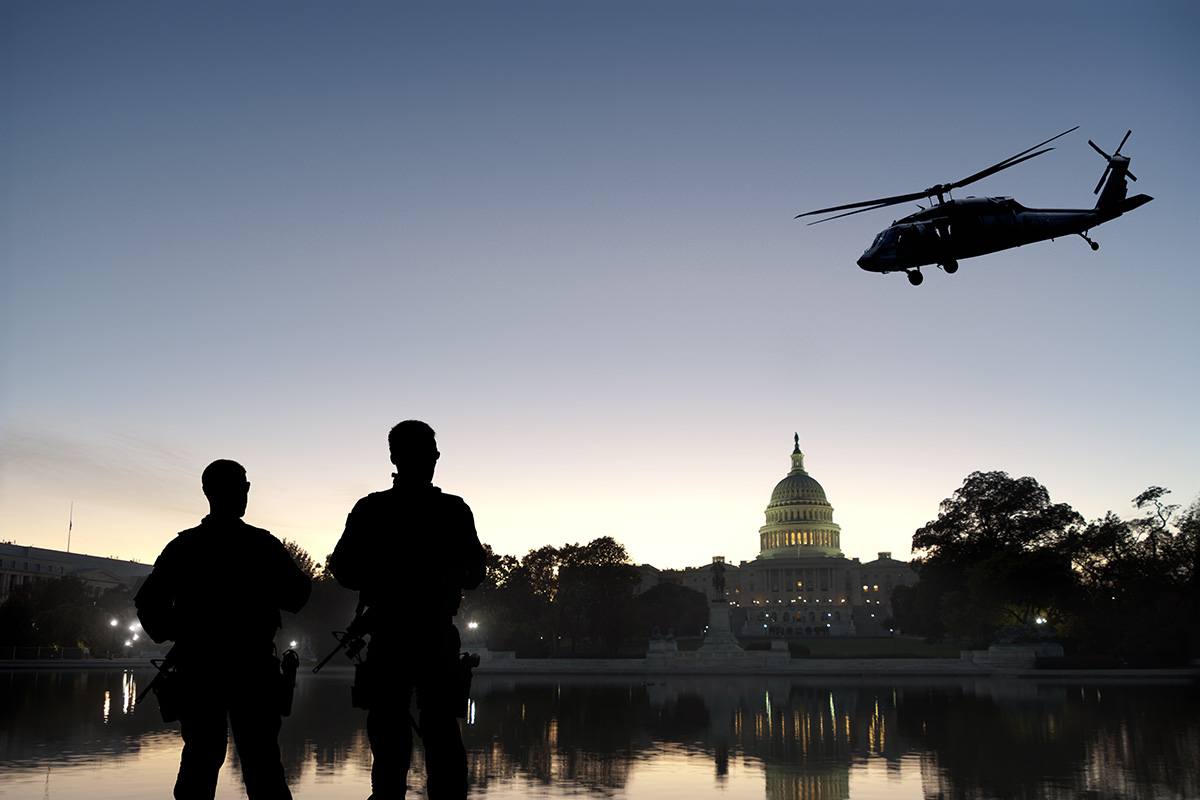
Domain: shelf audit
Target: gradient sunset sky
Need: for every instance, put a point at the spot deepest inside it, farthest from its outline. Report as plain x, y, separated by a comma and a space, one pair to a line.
561, 232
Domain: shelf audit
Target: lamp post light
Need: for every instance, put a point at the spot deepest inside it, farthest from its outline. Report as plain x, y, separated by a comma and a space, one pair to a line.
113, 624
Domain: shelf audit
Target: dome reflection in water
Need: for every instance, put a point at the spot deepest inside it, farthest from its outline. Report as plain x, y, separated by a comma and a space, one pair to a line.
67, 736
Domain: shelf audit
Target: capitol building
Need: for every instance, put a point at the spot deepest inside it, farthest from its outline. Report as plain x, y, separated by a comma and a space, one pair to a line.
801, 584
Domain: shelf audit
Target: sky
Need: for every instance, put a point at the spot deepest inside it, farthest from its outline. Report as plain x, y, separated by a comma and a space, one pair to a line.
562, 234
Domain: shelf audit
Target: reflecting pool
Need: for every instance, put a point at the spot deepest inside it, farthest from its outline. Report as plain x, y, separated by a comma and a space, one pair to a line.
76, 734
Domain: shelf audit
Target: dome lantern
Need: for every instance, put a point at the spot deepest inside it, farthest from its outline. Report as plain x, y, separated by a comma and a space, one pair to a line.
797, 456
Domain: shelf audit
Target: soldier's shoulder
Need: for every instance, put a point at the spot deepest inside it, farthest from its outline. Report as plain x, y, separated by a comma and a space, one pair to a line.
184, 539
452, 500
265, 543
254, 530
374, 498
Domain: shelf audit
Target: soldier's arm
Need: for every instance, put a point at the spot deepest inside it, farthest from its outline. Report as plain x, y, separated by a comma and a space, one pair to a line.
155, 600
292, 586
347, 561
473, 561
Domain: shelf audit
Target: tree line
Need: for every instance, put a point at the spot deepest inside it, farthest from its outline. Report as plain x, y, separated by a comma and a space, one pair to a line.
570, 600
1002, 562
575, 599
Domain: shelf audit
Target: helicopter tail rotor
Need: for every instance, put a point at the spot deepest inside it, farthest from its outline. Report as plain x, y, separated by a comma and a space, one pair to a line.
1110, 159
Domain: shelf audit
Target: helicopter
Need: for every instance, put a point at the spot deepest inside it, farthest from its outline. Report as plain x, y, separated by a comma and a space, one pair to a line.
950, 230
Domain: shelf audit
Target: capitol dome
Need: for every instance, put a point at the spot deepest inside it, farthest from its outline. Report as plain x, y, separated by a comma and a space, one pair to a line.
798, 487
799, 517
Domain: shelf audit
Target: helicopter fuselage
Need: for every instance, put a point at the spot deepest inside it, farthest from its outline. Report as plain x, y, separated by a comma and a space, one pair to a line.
975, 226
956, 229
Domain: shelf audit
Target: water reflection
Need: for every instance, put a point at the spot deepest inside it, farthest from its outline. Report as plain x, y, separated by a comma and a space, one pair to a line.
779, 738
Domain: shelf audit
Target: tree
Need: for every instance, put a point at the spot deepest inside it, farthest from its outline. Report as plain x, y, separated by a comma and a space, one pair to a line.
596, 582
539, 570
671, 607
303, 560
513, 603
1136, 582
992, 512
575, 593
63, 612
992, 558
496, 568
1155, 523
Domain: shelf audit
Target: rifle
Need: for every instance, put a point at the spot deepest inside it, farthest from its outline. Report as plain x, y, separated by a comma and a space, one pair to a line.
351, 640
161, 685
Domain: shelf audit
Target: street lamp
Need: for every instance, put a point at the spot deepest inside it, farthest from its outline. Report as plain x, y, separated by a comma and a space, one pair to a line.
113, 622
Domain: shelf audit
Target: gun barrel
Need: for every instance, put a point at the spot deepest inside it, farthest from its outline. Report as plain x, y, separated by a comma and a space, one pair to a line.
161, 666
142, 694
328, 658
349, 639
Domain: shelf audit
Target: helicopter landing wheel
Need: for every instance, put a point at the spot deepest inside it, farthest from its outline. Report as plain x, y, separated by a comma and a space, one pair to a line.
950, 267
915, 277
1095, 245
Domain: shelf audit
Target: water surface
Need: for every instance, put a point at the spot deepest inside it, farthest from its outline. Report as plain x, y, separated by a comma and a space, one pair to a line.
78, 735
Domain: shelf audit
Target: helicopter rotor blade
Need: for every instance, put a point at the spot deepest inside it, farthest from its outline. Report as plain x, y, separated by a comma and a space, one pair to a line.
849, 213
878, 203
1024, 155
1096, 147
1041, 144
1102, 179
992, 170
1122, 144
939, 189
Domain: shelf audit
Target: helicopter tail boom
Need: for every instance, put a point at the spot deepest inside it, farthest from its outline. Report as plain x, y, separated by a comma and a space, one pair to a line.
1116, 209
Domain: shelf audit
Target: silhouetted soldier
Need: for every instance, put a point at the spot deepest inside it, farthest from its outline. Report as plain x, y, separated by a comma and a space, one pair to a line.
216, 591
410, 551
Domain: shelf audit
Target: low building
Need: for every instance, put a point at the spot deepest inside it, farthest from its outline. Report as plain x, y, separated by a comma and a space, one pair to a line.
21, 565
